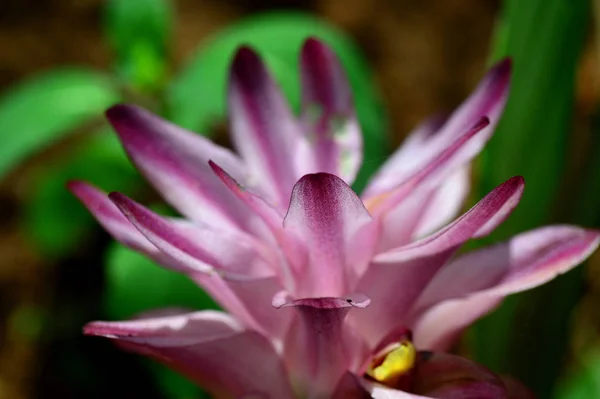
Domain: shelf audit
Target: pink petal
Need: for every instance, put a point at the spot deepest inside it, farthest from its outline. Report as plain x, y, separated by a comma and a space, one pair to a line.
293, 250
488, 99
403, 206
175, 162
317, 349
422, 212
209, 347
334, 133
429, 210
433, 137
266, 212
477, 222
112, 219
350, 387
399, 225
108, 214
431, 156
396, 278
487, 275
434, 172
331, 219
249, 301
196, 248
446, 376
448, 315
401, 164
263, 128
485, 268
445, 203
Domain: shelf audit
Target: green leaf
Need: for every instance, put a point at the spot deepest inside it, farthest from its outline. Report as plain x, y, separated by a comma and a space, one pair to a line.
197, 97
500, 39
584, 381
532, 135
173, 384
527, 336
585, 209
54, 218
40, 111
139, 31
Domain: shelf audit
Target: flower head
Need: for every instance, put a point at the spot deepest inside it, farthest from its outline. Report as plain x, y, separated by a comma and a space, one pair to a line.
328, 294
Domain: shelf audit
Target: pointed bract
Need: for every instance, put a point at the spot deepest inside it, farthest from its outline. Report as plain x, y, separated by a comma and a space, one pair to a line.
328, 115
175, 162
197, 249
263, 128
328, 216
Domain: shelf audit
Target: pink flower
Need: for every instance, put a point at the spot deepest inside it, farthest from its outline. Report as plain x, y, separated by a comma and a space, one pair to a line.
323, 288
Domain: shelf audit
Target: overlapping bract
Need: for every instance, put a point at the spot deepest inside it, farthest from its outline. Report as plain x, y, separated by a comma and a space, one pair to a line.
314, 278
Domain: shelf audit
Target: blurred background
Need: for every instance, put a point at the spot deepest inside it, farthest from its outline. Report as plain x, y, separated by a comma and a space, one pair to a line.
62, 62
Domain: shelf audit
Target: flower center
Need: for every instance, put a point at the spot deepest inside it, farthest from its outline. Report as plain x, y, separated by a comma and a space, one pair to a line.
393, 363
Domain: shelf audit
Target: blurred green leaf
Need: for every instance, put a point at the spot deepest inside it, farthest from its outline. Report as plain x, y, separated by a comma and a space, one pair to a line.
173, 384
36, 113
135, 284
197, 97
584, 381
585, 209
27, 321
527, 336
544, 39
139, 31
499, 46
54, 218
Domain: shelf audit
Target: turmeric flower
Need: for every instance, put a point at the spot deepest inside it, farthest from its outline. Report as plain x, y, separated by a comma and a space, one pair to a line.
327, 294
